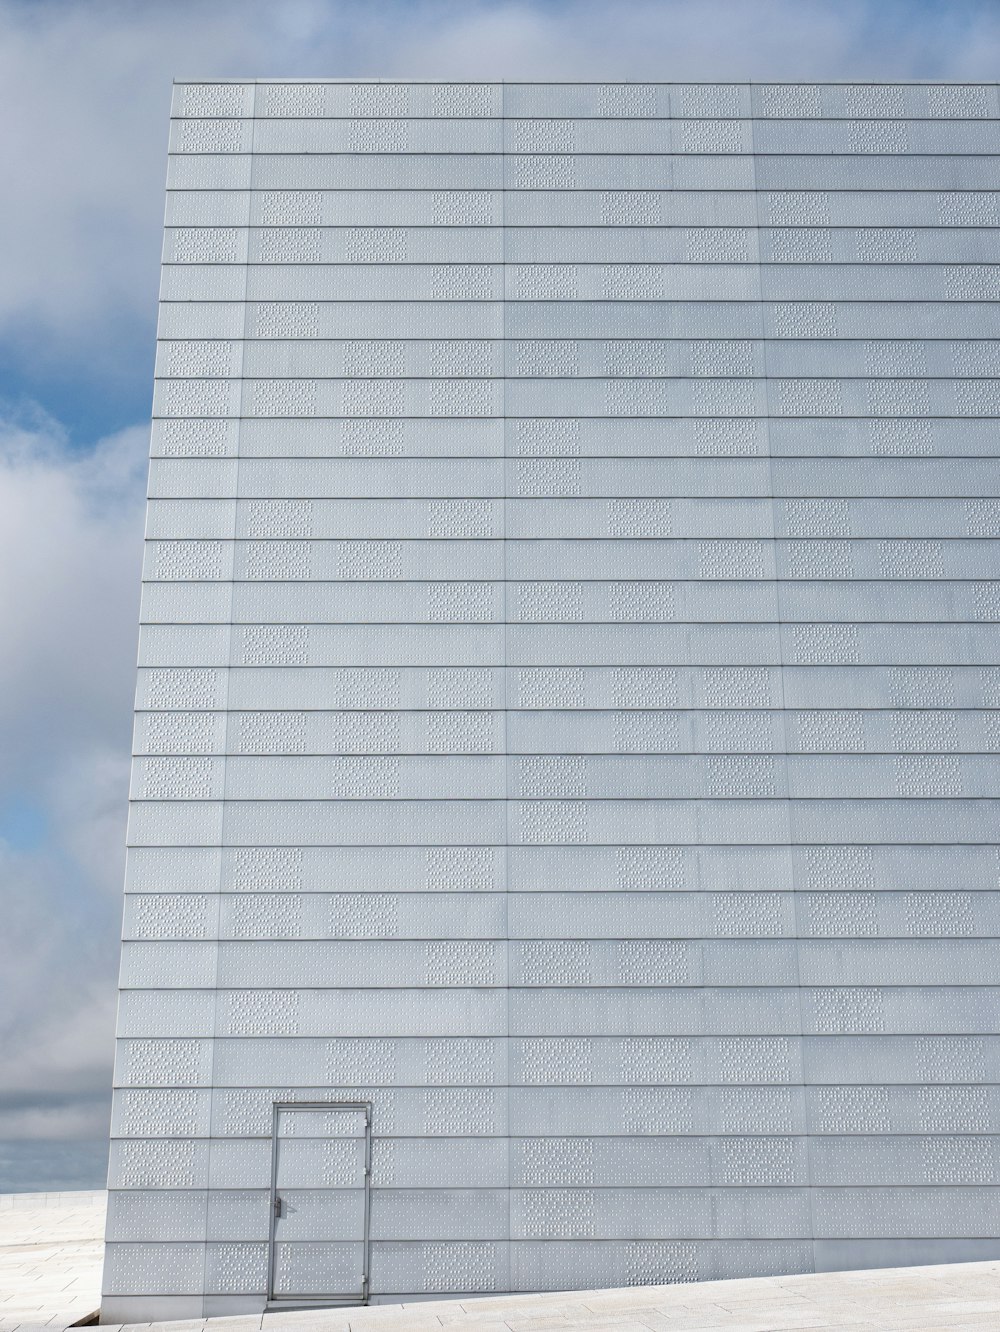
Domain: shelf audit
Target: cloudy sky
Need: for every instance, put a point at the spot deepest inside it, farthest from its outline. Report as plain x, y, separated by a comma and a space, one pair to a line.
86, 87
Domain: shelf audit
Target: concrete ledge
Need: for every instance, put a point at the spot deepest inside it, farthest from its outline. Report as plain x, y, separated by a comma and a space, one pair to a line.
74, 1198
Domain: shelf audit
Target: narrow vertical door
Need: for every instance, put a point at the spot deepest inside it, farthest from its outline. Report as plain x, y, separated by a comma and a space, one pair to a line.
321, 1169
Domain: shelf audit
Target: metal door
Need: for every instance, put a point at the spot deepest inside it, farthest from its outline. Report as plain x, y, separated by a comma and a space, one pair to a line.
320, 1183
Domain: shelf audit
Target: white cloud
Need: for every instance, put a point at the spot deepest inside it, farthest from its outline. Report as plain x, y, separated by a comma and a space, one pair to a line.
70, 525
70, 543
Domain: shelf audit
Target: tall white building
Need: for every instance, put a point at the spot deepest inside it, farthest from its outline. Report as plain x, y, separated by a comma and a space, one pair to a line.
569, 695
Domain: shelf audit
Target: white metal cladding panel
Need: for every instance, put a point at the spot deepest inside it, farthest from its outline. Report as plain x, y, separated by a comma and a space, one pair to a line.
568, 713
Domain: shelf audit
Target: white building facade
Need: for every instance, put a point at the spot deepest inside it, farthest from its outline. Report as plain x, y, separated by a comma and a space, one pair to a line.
569, 694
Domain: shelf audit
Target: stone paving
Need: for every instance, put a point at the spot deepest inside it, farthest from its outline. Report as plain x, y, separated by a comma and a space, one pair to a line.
960, 1298
50, 1274
51, 1252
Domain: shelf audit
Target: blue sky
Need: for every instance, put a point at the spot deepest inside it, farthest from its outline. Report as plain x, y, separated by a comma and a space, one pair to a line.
86, 89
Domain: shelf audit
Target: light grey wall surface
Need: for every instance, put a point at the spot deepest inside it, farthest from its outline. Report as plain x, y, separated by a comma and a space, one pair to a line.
568, 711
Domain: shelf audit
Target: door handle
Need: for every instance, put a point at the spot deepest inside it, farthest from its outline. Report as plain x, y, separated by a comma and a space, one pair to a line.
277, 1206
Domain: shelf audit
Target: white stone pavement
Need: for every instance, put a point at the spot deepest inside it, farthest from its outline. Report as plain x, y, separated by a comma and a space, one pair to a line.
51, 1251
50, 1274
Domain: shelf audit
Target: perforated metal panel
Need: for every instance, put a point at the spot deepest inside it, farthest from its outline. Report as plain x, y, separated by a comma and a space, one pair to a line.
568, 712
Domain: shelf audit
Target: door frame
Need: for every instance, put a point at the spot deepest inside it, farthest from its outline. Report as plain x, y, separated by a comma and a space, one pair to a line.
334, 1297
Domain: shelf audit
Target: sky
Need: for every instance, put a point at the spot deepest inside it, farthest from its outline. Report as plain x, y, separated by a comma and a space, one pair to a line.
86, 92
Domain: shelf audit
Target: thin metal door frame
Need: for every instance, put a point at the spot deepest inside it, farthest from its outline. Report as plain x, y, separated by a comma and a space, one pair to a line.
334, 1297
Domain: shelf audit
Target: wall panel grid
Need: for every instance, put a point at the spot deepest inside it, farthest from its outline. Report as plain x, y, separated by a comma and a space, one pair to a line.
568, 716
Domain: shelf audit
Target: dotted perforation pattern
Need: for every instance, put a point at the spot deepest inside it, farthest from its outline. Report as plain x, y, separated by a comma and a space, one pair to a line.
569, 702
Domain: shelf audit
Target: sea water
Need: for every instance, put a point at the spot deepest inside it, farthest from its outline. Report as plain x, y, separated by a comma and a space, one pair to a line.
49, 1165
